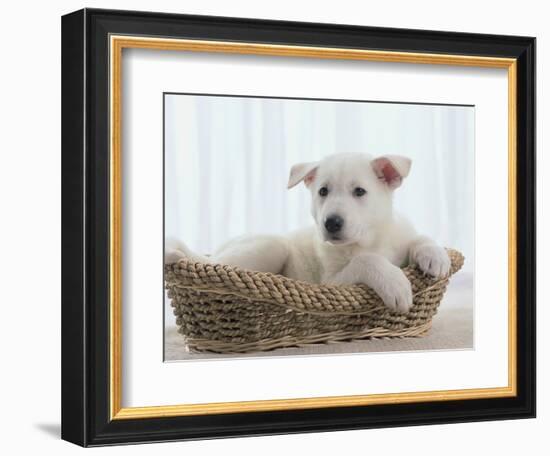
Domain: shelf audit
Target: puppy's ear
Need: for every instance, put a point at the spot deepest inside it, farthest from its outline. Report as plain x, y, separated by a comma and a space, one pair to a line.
302, 172
392, 169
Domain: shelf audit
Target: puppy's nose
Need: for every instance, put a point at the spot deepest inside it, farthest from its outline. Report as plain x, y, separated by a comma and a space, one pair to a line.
334, 223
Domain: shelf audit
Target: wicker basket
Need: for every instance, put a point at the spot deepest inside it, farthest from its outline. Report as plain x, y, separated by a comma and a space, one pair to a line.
223, 309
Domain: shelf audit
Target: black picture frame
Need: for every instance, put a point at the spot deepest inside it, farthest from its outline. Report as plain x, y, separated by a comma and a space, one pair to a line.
85, 228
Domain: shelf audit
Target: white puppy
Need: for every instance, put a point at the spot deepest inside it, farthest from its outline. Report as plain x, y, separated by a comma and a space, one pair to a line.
357, 237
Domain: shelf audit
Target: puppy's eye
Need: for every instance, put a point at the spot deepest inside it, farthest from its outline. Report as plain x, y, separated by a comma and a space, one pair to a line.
358, 191
323, 191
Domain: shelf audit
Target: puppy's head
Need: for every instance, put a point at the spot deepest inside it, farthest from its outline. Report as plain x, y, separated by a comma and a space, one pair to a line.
351, 193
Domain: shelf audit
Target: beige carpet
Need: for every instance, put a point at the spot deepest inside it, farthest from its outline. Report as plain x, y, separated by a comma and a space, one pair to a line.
452, 329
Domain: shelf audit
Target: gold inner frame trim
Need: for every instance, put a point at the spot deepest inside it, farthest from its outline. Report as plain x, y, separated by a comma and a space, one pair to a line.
117, 44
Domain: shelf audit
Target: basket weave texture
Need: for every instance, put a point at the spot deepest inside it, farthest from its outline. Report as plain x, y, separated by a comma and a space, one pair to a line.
223, 309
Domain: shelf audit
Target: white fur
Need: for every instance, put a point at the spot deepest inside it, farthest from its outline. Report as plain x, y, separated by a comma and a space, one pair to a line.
371, 246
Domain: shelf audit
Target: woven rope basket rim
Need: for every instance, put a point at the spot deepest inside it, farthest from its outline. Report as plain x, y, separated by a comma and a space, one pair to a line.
266, 287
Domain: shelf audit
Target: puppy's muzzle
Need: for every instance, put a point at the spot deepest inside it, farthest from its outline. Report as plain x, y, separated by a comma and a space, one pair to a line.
334, 224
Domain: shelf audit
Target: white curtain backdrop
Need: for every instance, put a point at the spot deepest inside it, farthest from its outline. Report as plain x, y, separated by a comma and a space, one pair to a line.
227, 161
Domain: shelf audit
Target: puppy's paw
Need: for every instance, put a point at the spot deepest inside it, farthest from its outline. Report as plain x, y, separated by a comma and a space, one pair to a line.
432, 259
394, 289
172, 255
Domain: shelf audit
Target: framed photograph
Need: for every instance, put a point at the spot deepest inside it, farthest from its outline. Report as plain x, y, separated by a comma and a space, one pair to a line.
277, 227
